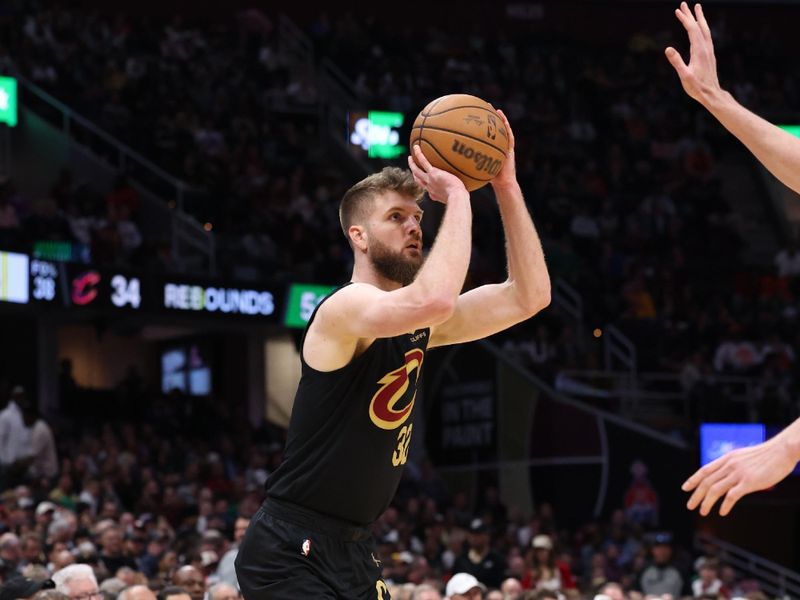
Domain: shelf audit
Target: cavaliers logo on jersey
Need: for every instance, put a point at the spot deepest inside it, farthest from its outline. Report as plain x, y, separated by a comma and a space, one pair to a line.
383, 409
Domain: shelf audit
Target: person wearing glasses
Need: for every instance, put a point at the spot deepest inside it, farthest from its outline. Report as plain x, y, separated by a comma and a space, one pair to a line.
78, 582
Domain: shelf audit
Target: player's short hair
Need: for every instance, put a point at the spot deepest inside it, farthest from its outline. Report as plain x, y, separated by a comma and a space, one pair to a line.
357, 201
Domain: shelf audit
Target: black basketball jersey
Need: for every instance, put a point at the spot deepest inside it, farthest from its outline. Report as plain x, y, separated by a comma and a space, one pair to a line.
350, 431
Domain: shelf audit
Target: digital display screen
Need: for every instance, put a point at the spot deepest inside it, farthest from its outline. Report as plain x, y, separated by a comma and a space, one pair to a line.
303, 299
186, 368
77, 285
717, 439
14, 283
376, 134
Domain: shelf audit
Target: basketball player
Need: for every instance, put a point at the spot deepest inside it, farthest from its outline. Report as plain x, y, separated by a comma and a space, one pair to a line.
758, 467
362, 353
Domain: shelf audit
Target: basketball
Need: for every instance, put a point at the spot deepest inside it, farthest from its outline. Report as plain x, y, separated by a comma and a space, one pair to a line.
463, 135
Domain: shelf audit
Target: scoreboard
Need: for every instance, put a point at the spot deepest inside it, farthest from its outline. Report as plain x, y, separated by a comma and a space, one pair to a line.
76, 286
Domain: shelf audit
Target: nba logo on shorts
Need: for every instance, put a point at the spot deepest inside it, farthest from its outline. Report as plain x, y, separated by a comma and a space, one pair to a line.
306, 549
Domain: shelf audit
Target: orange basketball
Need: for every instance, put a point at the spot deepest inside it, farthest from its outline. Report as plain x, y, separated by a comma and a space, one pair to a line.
464, 135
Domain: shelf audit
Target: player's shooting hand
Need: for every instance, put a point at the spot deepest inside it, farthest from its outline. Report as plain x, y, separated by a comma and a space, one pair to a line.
699, 77
508, 173
440, 185
739, 473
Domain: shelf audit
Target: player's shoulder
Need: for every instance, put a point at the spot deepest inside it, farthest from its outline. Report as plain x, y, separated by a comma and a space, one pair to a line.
348, 299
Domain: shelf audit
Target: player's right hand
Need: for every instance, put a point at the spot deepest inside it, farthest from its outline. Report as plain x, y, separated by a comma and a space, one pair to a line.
440, 185
699, 77
739, 473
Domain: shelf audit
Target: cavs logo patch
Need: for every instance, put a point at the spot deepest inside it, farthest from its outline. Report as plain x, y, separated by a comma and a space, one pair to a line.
383, 408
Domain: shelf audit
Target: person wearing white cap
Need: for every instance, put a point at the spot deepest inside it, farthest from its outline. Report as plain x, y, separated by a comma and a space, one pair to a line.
463, 586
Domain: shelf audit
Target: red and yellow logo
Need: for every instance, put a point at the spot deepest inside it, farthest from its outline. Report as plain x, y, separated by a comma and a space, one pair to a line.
393, 387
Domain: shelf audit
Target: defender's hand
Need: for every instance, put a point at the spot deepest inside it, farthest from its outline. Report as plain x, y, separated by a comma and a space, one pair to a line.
739, 473
699, 77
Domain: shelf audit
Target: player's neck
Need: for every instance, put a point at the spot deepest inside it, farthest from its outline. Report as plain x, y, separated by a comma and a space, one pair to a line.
366, 273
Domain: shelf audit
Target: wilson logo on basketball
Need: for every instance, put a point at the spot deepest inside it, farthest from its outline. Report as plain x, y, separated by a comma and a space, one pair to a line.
483, 162
383, 409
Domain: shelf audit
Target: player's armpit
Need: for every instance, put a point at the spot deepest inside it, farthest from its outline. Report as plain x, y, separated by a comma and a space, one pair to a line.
361, 310
484, 311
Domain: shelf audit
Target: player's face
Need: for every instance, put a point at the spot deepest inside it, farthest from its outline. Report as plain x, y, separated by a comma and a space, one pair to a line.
395, 237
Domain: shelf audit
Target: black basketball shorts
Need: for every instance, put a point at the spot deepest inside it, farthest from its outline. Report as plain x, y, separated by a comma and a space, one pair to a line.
291, 553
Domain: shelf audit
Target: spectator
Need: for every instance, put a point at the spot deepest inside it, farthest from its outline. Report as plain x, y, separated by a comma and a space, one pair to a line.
225, 570
661, 577
613, 591
32, 550
44, 460
14, 438
464, 586
137, 592
708, 581
512, 589
78, 582
547, 573
480, 559
23, 588
426, 592
641, 499
173, 592
191, 580
10, 552
113, 554
223, 591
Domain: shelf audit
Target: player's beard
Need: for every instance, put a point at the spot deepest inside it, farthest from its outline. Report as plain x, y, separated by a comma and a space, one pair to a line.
394, 266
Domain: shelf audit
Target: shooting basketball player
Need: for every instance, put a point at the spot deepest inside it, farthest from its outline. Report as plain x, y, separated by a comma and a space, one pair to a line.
745, 470
362, 354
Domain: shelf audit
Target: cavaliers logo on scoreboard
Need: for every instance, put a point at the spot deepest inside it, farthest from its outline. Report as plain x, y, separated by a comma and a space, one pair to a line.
387, 409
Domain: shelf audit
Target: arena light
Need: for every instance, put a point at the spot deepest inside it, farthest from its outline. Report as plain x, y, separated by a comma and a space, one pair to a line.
8, 101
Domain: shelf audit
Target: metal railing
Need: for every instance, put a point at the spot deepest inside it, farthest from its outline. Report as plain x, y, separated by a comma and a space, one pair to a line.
657, 391
618, 349
341, 98
172, 193
293, 43
568, 300
775, 580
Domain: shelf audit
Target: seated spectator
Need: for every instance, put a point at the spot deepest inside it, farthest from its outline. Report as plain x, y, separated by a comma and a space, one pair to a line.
708, 581
78, 582
463, 586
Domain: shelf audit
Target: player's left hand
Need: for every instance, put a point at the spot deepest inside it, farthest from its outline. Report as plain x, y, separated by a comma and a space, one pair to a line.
508, 173
739, 473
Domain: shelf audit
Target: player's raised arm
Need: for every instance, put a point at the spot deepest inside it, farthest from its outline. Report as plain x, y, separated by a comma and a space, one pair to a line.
422, 298
777, 150
488, 309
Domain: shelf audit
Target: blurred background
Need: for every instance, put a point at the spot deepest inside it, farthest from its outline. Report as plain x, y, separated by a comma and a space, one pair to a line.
170, 174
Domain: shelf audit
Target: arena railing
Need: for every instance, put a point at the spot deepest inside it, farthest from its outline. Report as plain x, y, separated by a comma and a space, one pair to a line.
772, 578
293, 42
606, 421
656, 393
172, 192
